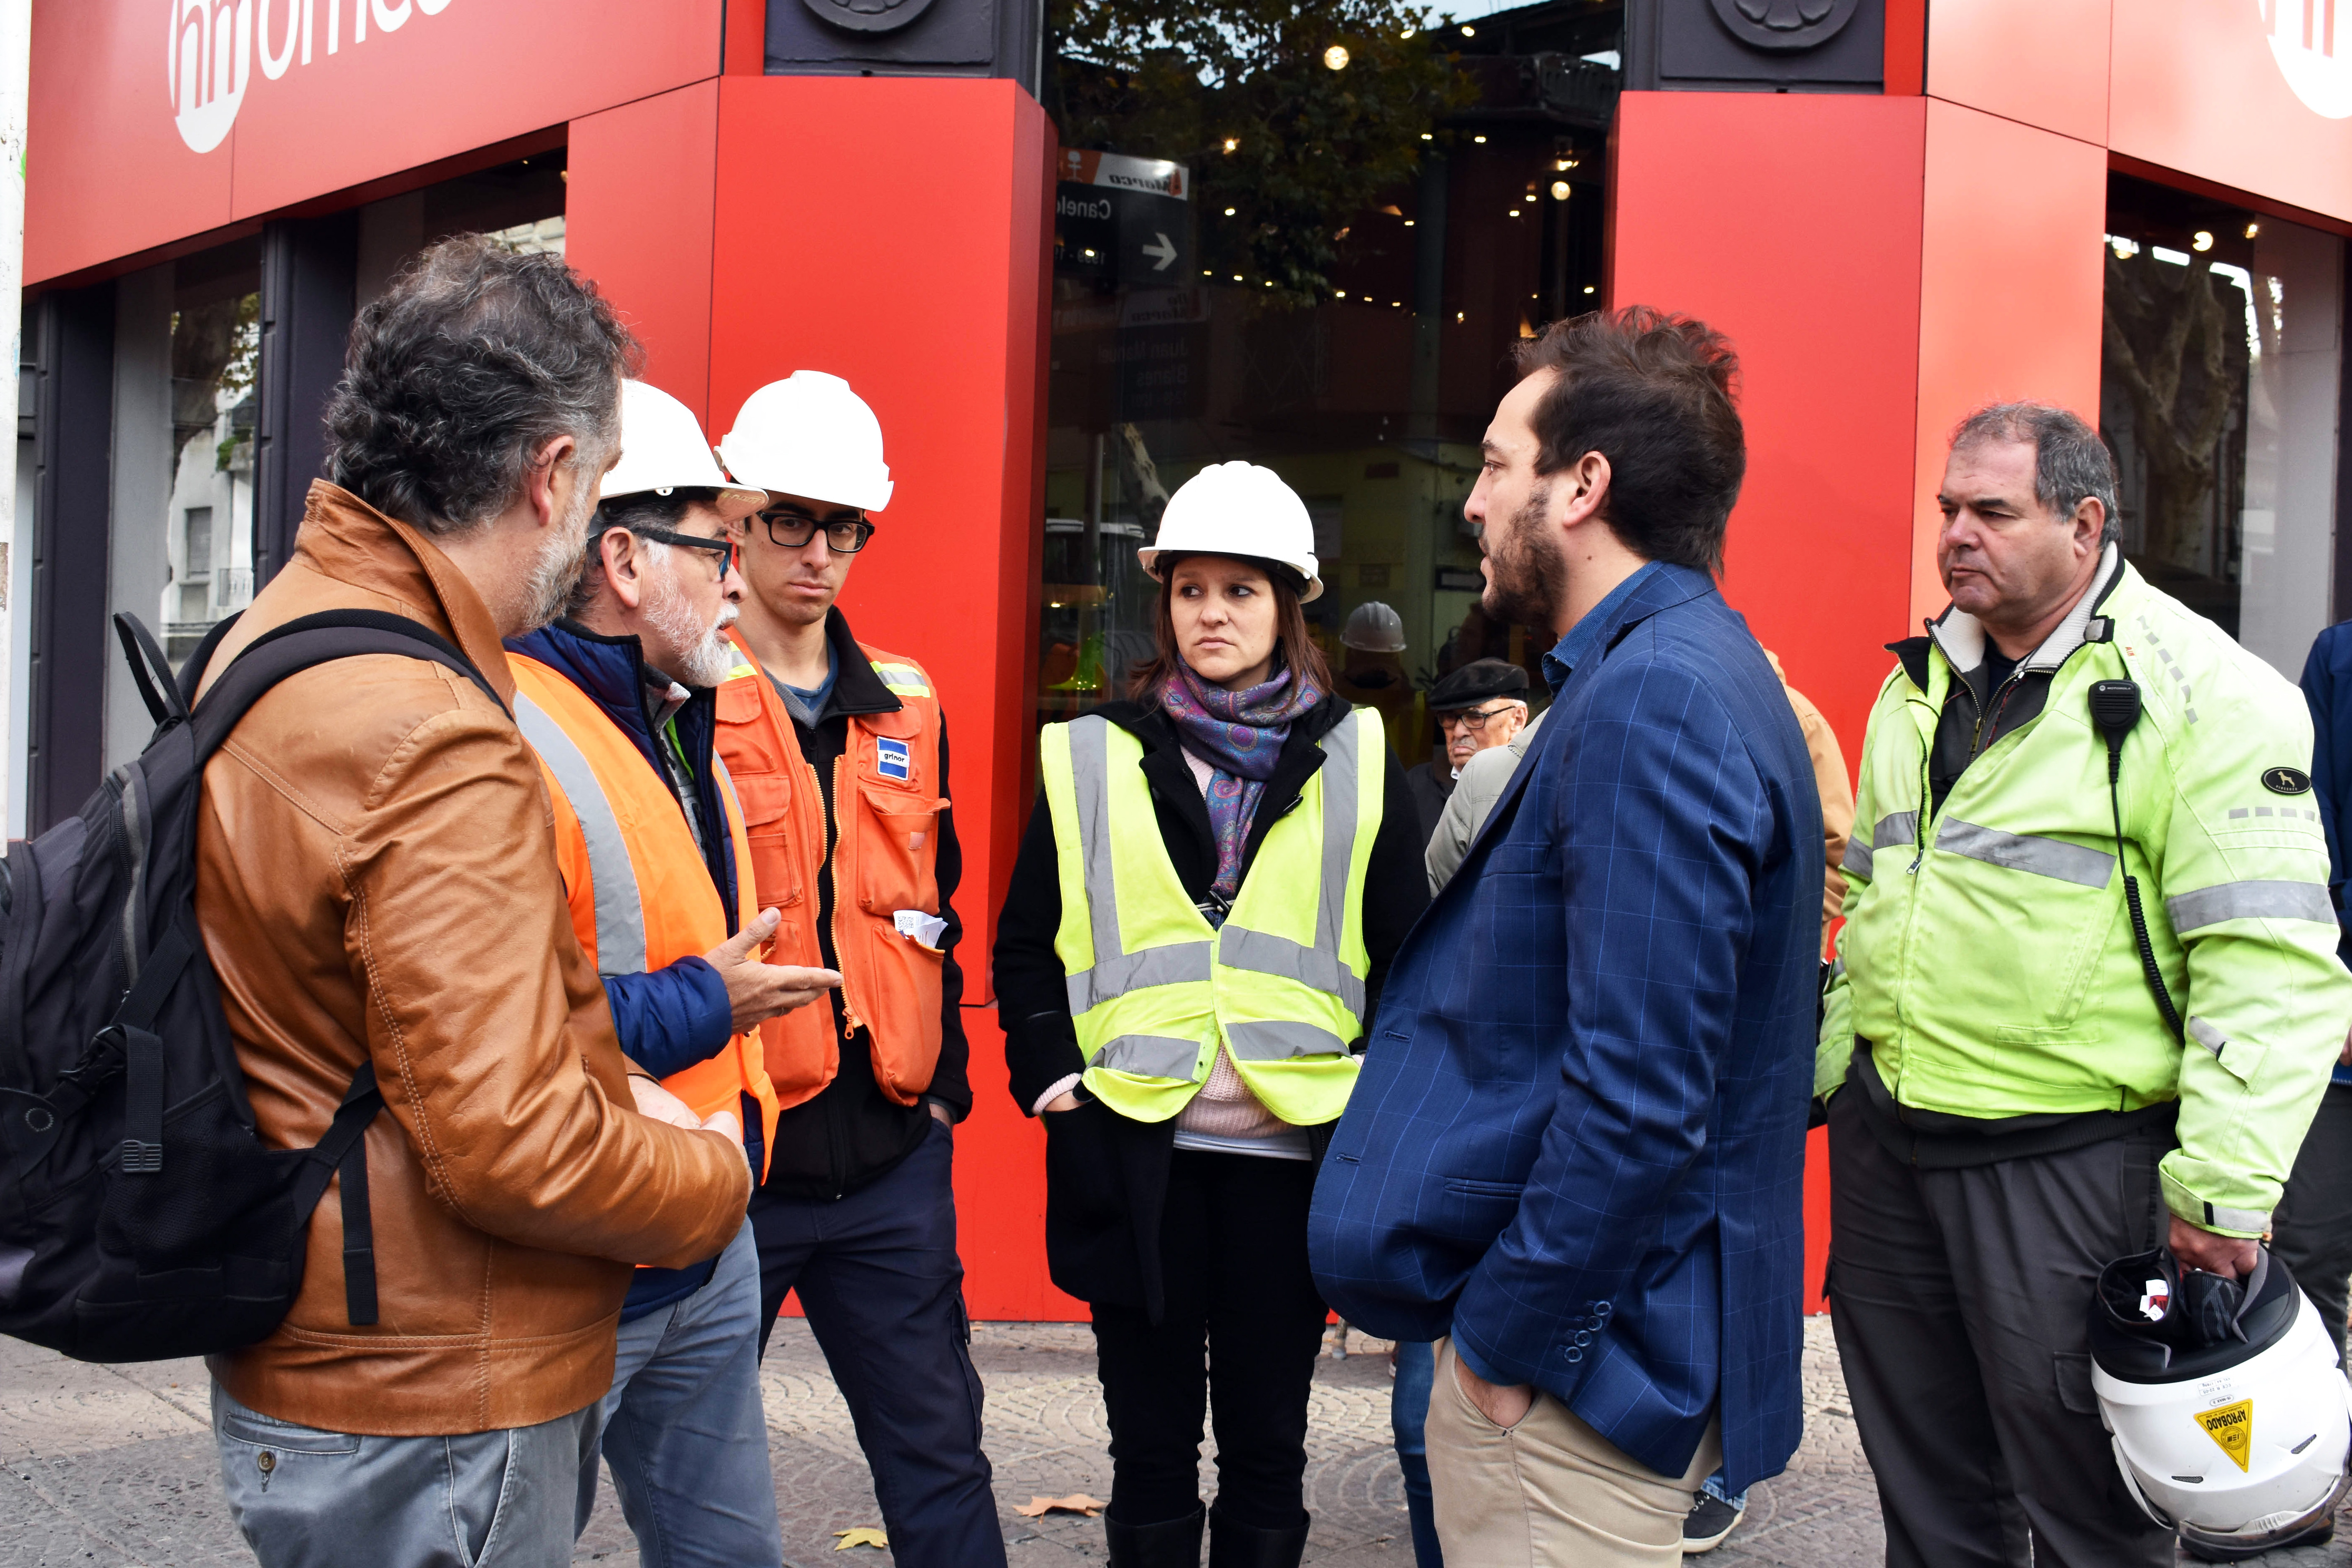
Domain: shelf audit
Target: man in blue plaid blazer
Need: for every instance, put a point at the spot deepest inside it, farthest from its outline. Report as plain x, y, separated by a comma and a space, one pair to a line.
1577, 1147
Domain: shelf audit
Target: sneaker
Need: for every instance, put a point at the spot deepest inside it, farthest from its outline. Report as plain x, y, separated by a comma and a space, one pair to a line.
1709, 1524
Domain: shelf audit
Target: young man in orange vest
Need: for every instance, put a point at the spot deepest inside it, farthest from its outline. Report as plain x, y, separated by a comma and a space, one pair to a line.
615, 697
839, 753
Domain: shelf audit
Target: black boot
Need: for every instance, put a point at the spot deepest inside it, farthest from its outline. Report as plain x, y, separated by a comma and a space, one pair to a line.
1233, 1546
1175, 1543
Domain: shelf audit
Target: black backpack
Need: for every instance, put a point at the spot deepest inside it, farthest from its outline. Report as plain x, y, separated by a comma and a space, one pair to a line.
140, 1217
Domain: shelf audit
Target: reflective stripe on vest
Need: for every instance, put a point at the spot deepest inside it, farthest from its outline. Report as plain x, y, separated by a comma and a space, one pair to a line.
620, 914
1150, 1016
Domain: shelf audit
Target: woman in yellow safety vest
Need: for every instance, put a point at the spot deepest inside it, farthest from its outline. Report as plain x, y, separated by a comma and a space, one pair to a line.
1203, 910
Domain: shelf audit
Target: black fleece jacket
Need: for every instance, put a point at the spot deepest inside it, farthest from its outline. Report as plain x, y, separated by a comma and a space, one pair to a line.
1105, 1180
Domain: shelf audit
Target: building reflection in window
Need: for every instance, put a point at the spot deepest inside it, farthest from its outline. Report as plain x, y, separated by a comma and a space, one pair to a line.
2219, 389
1306, 236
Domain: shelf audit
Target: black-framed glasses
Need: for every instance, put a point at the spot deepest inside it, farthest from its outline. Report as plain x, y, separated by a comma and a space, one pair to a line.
793, 530
1474, 719
729, 554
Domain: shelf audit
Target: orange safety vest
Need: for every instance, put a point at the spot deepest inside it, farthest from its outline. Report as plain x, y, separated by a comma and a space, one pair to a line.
640, 896
886, 806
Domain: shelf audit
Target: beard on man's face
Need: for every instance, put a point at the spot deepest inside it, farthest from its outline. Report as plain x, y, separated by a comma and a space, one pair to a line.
552, 575
1526, 571
709, 658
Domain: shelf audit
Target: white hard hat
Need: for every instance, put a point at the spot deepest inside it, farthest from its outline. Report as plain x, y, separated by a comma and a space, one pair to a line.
1374, 627
2239, 1445
663, 450
1238, 508
808, 435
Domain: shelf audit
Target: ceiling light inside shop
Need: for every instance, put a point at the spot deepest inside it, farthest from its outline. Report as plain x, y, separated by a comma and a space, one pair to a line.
1480, 140
1427, 137
1588, 287
1560, 190
1408, 223
1336, 57
1514, 212
1342, 293
1458, 315
2253, 229
1232, 144
1229, 211
2125, 248
2176, 258
2203, 240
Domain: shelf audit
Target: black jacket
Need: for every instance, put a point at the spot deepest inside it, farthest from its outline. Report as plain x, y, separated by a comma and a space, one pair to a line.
1432, 786
852, 1132
1107, 1176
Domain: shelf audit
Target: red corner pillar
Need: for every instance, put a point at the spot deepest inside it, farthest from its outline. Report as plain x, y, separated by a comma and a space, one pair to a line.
894, 231
639, 203
1883, 264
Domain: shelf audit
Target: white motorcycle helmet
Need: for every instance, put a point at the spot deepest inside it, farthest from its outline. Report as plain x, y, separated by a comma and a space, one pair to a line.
2231, 1420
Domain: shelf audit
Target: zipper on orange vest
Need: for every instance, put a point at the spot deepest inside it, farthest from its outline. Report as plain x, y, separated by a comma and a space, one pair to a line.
849, 1020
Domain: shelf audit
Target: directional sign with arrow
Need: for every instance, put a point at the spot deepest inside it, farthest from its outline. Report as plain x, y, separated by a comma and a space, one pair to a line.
1123, 220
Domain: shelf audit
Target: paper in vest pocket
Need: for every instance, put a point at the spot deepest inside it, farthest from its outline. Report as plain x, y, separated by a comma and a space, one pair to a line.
918, 927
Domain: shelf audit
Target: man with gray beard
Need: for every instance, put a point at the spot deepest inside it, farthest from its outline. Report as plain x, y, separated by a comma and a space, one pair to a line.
379, 892
616, 696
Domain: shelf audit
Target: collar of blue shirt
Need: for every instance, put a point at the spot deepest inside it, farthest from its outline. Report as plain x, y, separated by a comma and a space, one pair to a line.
1582, 638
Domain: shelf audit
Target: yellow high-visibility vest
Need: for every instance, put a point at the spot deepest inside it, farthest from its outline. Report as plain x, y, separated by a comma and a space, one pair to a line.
1155, 990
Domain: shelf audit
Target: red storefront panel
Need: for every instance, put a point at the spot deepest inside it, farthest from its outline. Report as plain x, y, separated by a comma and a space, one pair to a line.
153, 119
638, 218
2253, 94
1792, 223
894, 232
2009, 292
2038, 62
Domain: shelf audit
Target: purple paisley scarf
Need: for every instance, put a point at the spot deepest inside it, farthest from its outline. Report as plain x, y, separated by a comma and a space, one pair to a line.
1239, 734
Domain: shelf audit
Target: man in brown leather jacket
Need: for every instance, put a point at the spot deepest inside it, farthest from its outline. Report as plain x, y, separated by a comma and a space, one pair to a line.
377, 882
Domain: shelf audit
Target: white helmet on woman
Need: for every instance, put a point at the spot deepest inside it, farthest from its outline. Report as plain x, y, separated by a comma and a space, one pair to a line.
1238, 508
2231, 1425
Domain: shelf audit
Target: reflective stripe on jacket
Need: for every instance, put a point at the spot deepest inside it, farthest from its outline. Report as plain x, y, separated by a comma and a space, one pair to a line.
1154, 988
1986, 954
887, 809
640, 895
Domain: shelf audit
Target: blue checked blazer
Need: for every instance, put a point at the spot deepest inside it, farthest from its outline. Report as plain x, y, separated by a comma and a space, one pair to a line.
1578, 1145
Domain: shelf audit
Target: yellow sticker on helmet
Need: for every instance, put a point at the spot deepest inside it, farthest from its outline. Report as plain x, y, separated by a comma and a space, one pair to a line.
2231, 1427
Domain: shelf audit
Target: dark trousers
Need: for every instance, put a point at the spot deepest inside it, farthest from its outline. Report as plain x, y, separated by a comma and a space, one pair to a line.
1960, 1301
2313, 1224
879, 1278
1232, 1249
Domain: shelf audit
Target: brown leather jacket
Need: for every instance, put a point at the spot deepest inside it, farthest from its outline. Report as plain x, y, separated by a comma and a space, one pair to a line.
376, 880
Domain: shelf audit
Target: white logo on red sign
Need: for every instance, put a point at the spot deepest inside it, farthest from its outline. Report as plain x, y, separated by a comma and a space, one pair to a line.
2309, 40
214, 42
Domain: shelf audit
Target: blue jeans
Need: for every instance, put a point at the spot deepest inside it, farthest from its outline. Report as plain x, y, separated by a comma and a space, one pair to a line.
1713, 1487
877, 1274
1416, 1368
683, 1429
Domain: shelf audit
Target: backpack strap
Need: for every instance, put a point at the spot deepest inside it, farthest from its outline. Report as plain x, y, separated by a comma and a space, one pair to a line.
344, 1153
298, 644
309, 640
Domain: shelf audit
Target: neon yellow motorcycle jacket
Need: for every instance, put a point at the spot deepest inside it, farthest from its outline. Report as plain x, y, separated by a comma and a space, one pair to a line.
1988, 955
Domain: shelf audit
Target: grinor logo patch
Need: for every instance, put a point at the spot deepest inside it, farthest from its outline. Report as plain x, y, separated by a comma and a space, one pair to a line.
2232, 1426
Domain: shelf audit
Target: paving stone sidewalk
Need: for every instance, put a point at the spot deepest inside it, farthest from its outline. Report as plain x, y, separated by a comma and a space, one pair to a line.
107, 1465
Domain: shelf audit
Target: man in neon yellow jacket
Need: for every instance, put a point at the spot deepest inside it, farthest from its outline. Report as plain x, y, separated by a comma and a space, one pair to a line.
2021, 1088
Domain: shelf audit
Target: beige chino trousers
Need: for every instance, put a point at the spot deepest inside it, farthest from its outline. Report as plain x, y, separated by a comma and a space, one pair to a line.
1550, 1492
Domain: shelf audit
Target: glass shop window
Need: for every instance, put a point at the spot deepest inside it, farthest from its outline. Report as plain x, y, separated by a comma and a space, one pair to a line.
216, 349
1308, 236
2218, 393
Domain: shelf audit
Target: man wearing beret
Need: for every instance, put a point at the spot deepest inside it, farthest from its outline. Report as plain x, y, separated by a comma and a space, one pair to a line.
1481, 705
